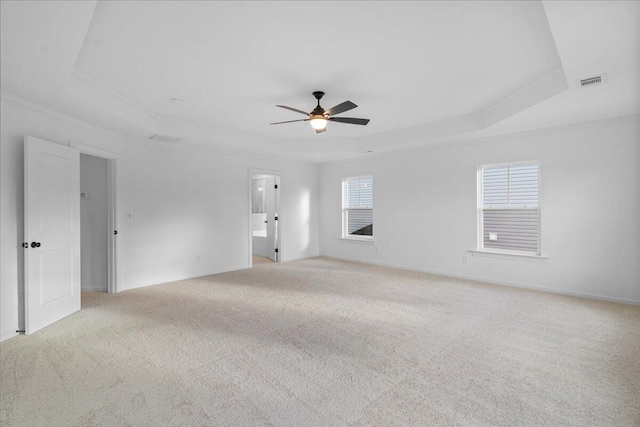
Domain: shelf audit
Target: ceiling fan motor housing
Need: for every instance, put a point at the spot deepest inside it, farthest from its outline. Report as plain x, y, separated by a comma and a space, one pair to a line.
318, 111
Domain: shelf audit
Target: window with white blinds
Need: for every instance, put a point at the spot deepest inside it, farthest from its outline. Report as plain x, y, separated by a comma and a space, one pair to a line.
509, 209
357, 207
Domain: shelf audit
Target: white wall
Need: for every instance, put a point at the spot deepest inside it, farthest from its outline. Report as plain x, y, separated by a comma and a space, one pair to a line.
190, 207
425, 209
94, 225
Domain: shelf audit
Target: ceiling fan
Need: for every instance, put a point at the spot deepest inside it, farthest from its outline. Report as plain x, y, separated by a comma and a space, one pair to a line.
319, 117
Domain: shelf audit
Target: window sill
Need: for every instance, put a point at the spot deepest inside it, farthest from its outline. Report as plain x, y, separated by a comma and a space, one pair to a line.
506, 255
356, 240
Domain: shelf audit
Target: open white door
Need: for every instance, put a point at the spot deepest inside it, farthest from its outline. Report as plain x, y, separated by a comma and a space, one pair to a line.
271, 203
52, 232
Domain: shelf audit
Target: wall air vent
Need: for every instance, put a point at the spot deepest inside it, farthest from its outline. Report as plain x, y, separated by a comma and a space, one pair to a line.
165, 138
592, 81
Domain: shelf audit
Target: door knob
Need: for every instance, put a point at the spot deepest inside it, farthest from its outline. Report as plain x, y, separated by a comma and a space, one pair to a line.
35, 244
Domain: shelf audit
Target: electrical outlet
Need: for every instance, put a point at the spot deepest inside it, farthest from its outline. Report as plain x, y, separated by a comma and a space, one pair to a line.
464, 259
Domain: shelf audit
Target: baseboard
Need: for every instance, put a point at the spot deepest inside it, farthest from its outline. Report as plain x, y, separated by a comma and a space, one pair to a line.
8, 334
299, 258
211, 273
104, 289
495, 282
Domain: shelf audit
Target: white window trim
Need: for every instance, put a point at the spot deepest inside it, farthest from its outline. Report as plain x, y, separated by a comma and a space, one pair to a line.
367, 240
509, 255
345, 235
481, 250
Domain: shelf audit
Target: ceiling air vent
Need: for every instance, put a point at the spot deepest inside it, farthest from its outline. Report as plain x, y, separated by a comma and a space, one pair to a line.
592, 81
165, 138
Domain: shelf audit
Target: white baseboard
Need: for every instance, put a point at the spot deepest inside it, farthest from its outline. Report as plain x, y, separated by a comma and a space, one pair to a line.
299, 258
495, 282
209, 273
7, 334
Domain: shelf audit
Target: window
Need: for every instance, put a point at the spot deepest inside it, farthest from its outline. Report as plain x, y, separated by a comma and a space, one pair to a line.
509, 212
357, 207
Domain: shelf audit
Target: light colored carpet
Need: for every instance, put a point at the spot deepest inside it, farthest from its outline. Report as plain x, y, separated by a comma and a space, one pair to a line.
257, 259
325, 342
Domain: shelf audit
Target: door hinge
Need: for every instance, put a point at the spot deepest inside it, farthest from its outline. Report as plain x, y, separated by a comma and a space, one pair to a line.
115, 231
25, 245
276, 218
275, 186
276, 250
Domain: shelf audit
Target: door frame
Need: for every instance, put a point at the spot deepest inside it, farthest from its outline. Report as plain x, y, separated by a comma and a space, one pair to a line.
278, 175
113, 202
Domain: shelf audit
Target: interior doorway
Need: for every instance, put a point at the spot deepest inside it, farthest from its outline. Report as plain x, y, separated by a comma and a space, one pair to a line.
53, 232
264, 229
110, 159
94, 224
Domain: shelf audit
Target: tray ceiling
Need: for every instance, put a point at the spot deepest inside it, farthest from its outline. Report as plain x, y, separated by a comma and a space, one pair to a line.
419, 70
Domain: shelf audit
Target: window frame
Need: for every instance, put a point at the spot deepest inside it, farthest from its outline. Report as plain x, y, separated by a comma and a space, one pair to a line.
345, 234
480, 210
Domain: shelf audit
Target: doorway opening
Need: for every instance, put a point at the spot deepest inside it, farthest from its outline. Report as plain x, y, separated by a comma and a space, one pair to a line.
264, 228
98, 203
94, 224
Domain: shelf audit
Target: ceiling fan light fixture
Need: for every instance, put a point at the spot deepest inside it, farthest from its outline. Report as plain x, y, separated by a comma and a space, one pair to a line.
318, 123
319, 116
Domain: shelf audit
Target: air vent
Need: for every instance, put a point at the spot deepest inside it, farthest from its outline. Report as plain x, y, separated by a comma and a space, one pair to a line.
592, 81
166, 138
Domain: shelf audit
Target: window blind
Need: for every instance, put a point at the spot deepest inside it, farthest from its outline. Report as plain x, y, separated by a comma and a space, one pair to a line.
358, 206
509, 209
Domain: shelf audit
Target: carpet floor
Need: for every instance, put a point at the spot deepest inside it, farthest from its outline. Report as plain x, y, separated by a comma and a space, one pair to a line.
325, 342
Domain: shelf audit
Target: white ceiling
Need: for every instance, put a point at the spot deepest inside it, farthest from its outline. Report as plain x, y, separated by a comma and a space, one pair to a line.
423, 72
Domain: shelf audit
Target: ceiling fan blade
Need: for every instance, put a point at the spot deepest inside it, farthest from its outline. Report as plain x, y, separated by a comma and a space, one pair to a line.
289, 121
321, 130
293, 109
349, 120
341, 108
